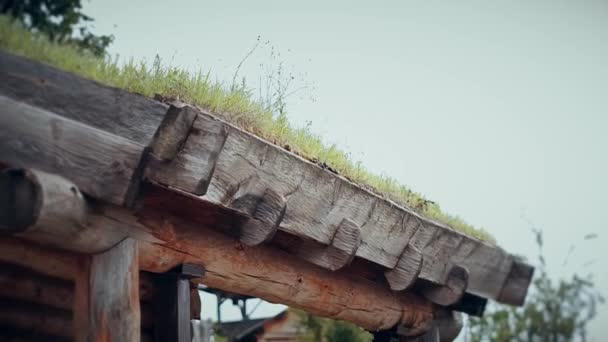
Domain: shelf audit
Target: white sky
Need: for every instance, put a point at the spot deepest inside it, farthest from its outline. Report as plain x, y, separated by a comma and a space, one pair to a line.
496, 110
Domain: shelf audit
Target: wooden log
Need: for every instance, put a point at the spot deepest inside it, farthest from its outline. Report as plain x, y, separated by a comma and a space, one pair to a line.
35, 318
237, 268
234, 267
172, 305
172, 132
407, 270
19, 284
453, 290
51, 210
44, 260
518, 280
265, 214
35, 138
192, 167
449, 324
339, 253
106, 306
40, 202
127, 115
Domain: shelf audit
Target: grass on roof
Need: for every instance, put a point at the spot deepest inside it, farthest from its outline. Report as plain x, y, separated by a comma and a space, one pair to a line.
234, 104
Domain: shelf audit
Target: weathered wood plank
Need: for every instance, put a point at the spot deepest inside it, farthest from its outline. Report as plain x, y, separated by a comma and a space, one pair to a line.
451, 291
17, 283
35, 138
406, 271
107, 296
266, 213
40, 259
35, 318
131, 116
517, 283
339, 253
191, 169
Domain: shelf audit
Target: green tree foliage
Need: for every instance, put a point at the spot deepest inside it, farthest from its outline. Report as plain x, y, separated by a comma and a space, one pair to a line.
61, 20
555, 311
318, 329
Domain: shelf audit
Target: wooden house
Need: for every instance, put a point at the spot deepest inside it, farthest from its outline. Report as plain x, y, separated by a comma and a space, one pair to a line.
113, 206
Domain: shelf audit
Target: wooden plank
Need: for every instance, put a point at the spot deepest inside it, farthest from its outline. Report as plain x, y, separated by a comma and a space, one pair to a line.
406, 271
516, 286
23, 285
192, 167
339, 253
40, 259
453, 289
35, 138
113, 110
107, 296
266, 213
35, 318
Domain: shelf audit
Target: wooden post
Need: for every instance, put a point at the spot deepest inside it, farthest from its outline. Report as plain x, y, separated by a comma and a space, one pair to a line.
106, 304
172, 303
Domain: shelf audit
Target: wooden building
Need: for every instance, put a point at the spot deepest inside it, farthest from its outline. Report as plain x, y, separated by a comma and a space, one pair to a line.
113, 206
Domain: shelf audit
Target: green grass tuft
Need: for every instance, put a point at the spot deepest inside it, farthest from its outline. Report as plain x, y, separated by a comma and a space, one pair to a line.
234, 104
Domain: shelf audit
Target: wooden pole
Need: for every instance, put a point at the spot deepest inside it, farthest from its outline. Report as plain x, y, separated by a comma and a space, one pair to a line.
106, 306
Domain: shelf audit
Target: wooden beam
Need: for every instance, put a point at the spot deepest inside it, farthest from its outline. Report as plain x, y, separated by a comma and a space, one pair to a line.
172, 304
407, 270
128, 115
265, 214
36, 138
453, 290
515, 288
23, 285
237, 268
35, 318
106, 306
44, 260
339, 253
51, 210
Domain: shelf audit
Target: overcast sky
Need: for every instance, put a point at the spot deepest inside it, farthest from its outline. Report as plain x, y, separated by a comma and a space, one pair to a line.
498, 111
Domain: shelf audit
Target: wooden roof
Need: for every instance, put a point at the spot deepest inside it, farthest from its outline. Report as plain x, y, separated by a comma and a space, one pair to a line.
113, 145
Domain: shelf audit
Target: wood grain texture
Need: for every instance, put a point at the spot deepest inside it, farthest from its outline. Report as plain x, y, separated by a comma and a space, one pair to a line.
191, 169
265, 214
266, 272
44, 260
35, 138
172, 132
20, 284
172, 308
35, 318
406, 271
107, 298
339, 253
451, 291
131, 116
516, 286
